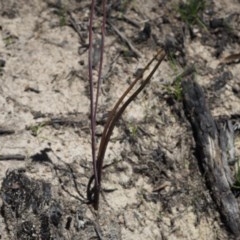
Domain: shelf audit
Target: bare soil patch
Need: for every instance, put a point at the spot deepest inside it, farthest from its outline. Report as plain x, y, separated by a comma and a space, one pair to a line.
153, 187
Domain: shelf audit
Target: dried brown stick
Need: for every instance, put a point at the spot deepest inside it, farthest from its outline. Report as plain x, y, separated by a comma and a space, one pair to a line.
4, 131
75, 27
128, 20
233, 58
8, 157
124, 38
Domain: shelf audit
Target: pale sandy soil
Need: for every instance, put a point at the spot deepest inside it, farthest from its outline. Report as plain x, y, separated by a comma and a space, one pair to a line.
45, 72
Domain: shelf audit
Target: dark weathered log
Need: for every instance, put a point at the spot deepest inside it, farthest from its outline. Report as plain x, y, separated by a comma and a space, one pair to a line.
211, 145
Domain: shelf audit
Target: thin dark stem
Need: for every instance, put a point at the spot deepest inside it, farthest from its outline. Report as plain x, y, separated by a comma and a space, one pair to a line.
99, 81
92, 109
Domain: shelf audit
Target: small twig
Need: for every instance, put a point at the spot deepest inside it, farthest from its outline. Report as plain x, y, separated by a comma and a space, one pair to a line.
188, 71
128, 20
110, 68
97, 230
6, 131
132, 22
161, 187
233, 58
31, 89
75, 27
74, 181
57, 169
124, 38
9, 157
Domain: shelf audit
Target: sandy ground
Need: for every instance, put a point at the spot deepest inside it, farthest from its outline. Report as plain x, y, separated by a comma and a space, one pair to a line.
45, 77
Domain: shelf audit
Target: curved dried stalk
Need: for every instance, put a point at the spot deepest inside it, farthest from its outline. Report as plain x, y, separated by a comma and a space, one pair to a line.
93, 194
